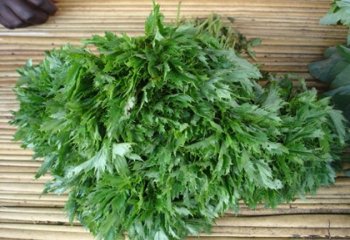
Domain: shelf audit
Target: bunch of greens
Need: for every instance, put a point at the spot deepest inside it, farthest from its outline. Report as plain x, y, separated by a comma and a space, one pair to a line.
339, 13
156, 136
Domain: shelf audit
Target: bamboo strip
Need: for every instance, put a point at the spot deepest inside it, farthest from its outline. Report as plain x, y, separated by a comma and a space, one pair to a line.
255, 238
13, 169
33, 217
322, 4
24, 231
31, 203
23, 180
309, 22
12, 145
171, 12
23, 187
126, 24
295, 221
244, 211
299, 209
21, 158
20, 163
12, 152
39, 227
6, 138
57, 216
6, 125
254, 232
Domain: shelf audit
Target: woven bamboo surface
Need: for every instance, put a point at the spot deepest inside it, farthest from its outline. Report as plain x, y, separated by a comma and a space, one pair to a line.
292, 37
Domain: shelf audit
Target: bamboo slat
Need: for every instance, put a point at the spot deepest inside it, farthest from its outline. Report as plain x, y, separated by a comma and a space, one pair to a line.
292, 38
42, 232
267, 226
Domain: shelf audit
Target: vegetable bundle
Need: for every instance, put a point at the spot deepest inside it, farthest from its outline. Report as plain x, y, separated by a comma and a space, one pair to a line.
156, 136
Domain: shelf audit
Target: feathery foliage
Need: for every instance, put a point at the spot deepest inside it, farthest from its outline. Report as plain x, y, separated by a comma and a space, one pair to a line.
160, 134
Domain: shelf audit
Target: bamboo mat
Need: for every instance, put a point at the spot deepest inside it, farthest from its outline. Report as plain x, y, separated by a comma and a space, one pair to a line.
291, 38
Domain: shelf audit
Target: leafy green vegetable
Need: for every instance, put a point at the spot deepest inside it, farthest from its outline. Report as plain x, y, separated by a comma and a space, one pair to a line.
339, 14
156, 136
335, 69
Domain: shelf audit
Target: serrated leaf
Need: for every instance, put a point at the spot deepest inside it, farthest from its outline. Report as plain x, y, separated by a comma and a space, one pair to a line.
160, 235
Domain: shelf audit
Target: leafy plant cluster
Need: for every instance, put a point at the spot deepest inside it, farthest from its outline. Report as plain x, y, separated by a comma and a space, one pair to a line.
335, 69
156, 136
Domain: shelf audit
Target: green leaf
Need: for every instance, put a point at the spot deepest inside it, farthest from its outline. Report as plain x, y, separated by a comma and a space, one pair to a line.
338, 121
121, 149
327, 70
266, 178
342, 79
98, 163
160, 235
